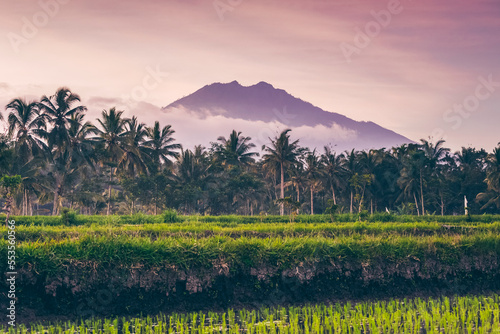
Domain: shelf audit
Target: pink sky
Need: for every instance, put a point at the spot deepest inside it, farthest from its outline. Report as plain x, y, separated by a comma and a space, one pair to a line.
425, 59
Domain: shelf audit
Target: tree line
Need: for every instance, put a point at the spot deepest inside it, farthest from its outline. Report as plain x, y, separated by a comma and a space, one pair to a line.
119, 165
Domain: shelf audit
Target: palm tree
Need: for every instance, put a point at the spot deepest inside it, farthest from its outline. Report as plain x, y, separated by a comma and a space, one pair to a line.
112, 136
313, 173
25, 123
282, 153
470, 172
160, 145
492, 195
191, 176
135, 151
57, 111
351, 166
435, 153
333, 166
369, 161
80, 144
433, 156
34, 182
410, 179
235, 151
298, 179
68, 164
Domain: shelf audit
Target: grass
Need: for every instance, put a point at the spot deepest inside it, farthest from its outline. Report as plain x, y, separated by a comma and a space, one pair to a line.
259, 230
151, 219
188, 252
469, 314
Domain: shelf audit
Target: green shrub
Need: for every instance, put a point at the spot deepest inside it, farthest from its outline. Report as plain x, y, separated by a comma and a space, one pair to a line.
69, 217
170, 216
363, 215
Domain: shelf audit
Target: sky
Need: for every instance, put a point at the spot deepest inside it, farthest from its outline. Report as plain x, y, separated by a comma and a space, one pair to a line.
422, 68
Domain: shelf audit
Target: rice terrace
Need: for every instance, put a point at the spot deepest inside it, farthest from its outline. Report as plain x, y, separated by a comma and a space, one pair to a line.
249, 167
258, 274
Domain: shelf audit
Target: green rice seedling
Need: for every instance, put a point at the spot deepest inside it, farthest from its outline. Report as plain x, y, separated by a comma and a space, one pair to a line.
203, 230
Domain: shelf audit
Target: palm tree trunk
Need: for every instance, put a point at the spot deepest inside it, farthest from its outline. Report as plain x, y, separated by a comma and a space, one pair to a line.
298, 197
371, 205
25, 204
352, 197
312, 200
422, 193
334, 197
282, 194
30, 207
361, 200
416, 204
55, 206
109, 190
156, 198
442, 205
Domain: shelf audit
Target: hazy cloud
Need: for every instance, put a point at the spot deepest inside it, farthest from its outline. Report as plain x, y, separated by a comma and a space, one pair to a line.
425, 60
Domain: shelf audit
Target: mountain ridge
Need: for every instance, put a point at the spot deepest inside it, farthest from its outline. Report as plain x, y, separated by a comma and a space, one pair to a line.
263, 102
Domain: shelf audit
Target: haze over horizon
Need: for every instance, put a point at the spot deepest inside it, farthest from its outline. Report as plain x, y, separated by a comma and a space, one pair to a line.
425, 68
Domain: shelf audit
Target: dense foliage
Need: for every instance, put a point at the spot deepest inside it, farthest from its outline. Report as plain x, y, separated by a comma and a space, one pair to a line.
120, 165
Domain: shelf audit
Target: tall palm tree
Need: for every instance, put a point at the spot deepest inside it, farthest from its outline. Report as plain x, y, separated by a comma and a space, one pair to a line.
35, 183
191, 175
313, 174
135, 151
410, 180
434, 153
369, 161
333, 165
25, 123
298, 178
235, 150
160, 145
67, 165
57, 111
80, 144
112, 136
470, 172
492, 195
351, 166
282, 153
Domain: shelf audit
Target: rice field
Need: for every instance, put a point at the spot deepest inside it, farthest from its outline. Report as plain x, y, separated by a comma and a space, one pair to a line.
429, 253
470, 314
260, 230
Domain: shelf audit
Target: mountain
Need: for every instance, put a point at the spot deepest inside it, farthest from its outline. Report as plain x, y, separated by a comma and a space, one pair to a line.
264, 103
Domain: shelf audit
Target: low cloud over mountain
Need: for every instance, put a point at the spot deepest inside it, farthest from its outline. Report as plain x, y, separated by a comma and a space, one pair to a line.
261, 111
